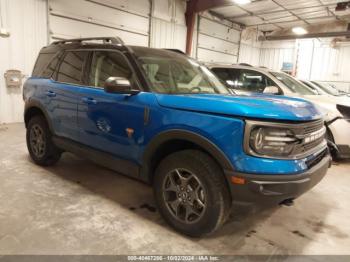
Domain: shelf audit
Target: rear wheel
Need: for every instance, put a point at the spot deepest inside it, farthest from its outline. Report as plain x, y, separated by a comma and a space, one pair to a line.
39, 142
191, 193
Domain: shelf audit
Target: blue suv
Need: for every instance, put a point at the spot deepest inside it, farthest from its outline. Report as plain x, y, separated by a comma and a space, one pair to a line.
160, 117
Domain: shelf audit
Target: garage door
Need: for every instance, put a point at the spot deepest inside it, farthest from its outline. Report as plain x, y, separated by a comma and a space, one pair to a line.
217, 42
128, 19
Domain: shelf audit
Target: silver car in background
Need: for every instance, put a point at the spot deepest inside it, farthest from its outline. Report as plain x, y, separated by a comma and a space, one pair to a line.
324, 88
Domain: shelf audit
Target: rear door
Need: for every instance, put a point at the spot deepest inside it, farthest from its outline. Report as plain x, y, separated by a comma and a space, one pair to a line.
62, 93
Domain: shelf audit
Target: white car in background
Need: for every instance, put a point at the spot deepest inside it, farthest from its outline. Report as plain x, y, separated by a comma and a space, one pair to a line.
247, 79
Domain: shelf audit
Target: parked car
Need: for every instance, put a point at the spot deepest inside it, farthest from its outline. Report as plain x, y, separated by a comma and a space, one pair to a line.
330, 89
160, 117
248, 79
314, 87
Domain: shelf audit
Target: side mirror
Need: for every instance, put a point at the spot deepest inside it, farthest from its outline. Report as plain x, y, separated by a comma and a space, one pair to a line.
272, 90
119, 85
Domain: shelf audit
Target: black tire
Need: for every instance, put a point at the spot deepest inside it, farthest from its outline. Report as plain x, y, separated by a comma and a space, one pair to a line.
331, 145
203, 171
48, 154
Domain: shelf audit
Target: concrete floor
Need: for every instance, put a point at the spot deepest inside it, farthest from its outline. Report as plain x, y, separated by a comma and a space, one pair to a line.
77, 207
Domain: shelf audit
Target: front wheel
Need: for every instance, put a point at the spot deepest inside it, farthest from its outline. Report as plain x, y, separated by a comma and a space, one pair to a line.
39, 142
191, 193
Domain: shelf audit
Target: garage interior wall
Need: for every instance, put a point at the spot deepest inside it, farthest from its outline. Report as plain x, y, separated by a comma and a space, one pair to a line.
168, 25
26, 20
315, 59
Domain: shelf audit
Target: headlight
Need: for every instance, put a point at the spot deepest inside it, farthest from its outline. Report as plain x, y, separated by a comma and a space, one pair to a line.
267, 141
284, 140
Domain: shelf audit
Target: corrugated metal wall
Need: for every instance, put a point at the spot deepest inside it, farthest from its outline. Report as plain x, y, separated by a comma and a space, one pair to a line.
249, 49
331, 64
314, 59
273, 54
26, 21
168, 28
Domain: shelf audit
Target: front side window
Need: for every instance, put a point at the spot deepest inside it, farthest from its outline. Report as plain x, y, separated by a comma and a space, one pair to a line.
173, 73
107, 64
292, 84
71, 68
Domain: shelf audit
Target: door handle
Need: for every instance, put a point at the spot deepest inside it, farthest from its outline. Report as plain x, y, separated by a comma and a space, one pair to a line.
89, 101
50, 94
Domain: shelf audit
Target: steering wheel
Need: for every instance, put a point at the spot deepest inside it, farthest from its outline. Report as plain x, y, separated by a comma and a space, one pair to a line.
195, 88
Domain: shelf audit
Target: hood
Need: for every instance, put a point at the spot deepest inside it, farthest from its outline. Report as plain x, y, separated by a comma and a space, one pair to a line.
248, 106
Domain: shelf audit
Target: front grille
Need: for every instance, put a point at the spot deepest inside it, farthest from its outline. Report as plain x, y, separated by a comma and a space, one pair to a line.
307, 147
313, 127
314, 161
308, 130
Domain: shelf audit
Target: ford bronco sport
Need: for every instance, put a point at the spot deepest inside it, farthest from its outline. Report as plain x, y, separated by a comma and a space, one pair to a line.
159, 116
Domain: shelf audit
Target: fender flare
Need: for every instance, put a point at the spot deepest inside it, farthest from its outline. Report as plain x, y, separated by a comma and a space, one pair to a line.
29, 105
179, 134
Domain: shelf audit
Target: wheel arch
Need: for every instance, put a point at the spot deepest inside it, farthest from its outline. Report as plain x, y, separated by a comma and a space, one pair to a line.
34, 108
176, 140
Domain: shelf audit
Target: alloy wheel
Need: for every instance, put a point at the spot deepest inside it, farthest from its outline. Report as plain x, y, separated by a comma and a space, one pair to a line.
184, 195
37, 141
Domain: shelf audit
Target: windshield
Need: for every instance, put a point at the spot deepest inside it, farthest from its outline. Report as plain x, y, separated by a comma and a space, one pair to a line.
172, 73
327, 88
293, 85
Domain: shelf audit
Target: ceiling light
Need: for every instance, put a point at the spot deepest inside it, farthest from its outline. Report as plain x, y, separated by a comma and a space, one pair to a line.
299, 31
242, 2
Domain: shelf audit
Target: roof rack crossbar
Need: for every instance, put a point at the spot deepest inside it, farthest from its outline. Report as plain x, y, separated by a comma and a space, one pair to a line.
112, 40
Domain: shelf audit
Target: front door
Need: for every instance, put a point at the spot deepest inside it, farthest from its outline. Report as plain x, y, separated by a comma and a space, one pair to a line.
113, 123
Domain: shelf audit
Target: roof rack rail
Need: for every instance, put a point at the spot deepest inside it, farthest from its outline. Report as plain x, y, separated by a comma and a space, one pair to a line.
176, 51
245, 64
113, 40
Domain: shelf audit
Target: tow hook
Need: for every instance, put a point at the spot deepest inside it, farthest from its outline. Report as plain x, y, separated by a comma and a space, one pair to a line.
288, 202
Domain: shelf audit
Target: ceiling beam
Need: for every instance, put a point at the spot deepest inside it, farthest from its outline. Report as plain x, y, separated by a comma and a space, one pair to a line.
334, 29
291, 21
277, 11
312, 35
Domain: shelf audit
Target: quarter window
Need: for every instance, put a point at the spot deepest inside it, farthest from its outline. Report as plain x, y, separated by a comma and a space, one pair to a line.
107, 64
41, 63
71, 69
50, 69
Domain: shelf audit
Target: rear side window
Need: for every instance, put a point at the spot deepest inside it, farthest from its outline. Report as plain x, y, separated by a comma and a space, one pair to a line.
41, 63
71, 68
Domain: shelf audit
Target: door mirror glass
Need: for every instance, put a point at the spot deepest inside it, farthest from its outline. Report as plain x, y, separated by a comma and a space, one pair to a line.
272, 90
119, 85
